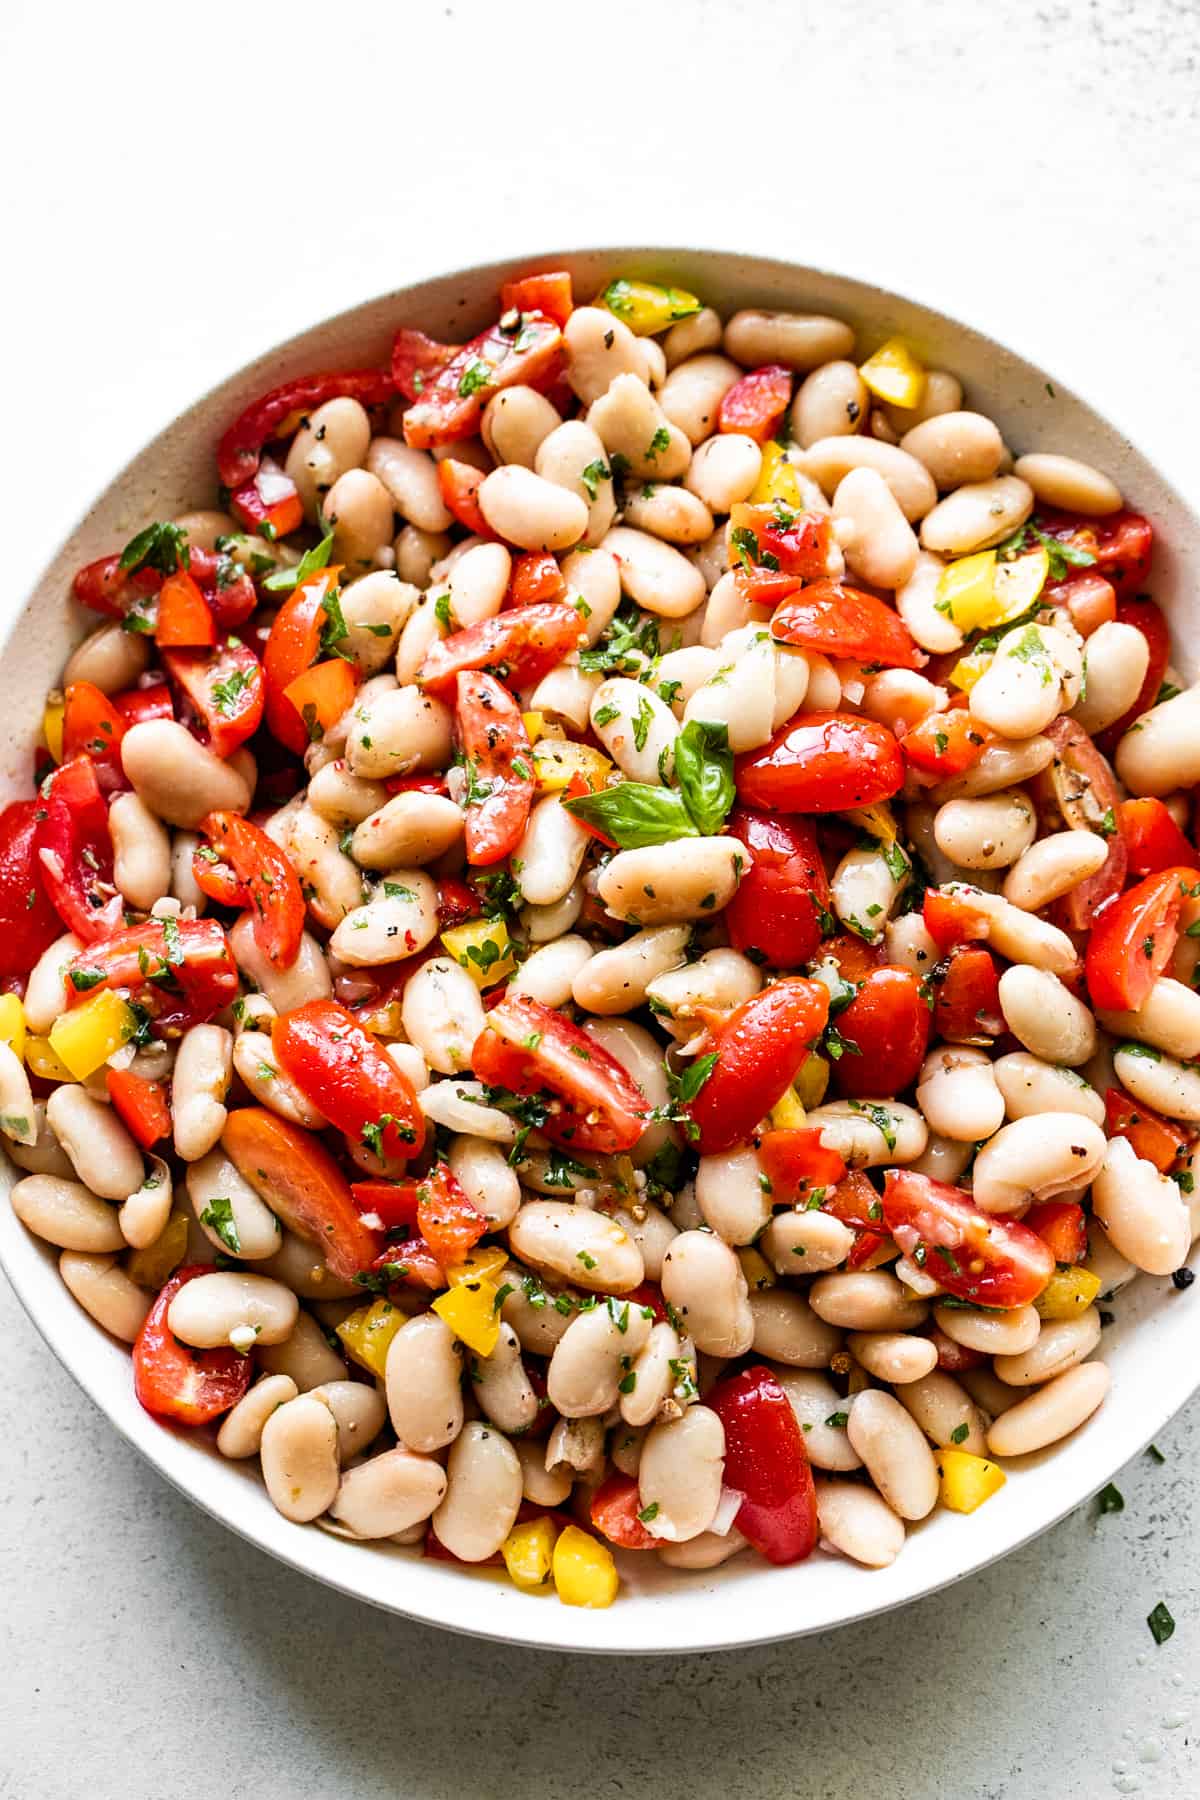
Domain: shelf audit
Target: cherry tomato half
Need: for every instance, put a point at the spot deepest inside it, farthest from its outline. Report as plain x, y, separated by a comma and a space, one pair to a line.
822, 762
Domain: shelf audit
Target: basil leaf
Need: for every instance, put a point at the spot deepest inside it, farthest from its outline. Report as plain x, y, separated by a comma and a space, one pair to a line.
635, 814
161, 546
283, 581
704, 771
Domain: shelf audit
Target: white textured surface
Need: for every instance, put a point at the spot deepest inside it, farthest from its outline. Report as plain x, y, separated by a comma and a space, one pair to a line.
178, 198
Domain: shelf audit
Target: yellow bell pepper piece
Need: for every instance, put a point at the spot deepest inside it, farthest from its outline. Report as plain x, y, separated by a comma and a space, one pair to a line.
556, 761
645, 307
967, 1481
968, 669
156, 1263
1068, 1292
366, 1334
12, 1024
41, 1060
812, 1081
481, 1264
877, 821
966, 591
52, 723
528, 1551
894, 374
85, 1038
471, 1312
757, 1270
535, 724
1019, 582
776, 479
483, 948
788, 1112
584, 1571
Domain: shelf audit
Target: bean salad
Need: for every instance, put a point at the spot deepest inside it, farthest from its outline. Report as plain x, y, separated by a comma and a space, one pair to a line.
602, 954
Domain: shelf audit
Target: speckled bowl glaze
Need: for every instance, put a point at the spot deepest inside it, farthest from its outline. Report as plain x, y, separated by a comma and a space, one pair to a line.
1154, 1343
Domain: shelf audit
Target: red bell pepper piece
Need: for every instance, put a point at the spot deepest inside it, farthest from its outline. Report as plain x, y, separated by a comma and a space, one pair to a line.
459, 484
765, 1460
140, 1104
1158, 1140
29, 923
1063, 1225
756, 404
447, 1220
322, 694
951, 918
269, 504
301, 1183
536, 577
966, 1000
1153, 841
137, 704
392, 1203
796, 1163
93, 726
615, 1506
945, 744
278, 413
75, 852
184, 620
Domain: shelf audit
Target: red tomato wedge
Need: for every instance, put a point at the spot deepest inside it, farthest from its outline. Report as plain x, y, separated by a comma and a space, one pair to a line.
451, 399
459, 484
822, 762
535, 577
93, 726
1121, 543
855, 1202
532, 1049
1159, 1141
796, 1163
344, 1070
75, 852
1090, 600
758, 1053
783, 897
841, 621
411, 1263
950, 918
270, 884
550, 294
175, 1382
278, 413
270, 504
1062, 1224
450, 1223
757, 402
29, 924
951, 1357
223, 689
1081, 788
137, 704
184, 620
105, 587
499, 760
518, 646
1148, 618
615, 1506
180, 970
974, 1255
1153, 841
392, 1203
775, 540
765, 1460
140, 1104
884, 1033
966, 1000
321, 695
1132, 939
945, 744
299, 1180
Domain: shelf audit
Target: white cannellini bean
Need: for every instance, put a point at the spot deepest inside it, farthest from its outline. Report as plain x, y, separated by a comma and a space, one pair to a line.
631, 424
910, 945
1168, 1019
943, 1158
203, 1071
1161, 750
548, 974
111, 658
483, 1493
740, 694
731, 1195
45, 991
691, 395
241, 1430
542, 924
815, 1402
580, 1246
1052, 867
392, 924
617, 980
724, 470
977, 515
653, 1234
655, 575
211, 1310
1143, 1212
592, 576
956, 447
1019, 936
442, 1014
640, 1055
331, 882
893, 1356
638, 730
1002, 765
1046, 1016
144, 1214
573, 456
727, 611
995, 1334
176, 777
916, 603
359, 511
830, 402
306, 1356
18, 1120
1061, 1344
1036, 1158
593, 1356
411, 478
703, 1280
307, 979
483, 1172
691, 878
830, 460
104, 1290
424, 1384
478, 583
102, 1152
987, 833
957, 1092
564, 696
1051, 1413
531, 512
342, 798
516, 422
805, 1243
461, 1106
417, 552
787, 1330
1035, 672
680, 1473
865, 887
388, 1494
599, 347
945, 1412
333, 438
855, 1130
221, 1196
141, 851
656, 1375
550, 853
798, 340
670, 512
720, 978
576, 1444
900, 698
66, 1214
1067, 483
1115, 659
1031, 1085
866, 1300
894, 1450
299, 1452
879, 544
858, 1523
699, 331
410, 828
397, 732
375, 609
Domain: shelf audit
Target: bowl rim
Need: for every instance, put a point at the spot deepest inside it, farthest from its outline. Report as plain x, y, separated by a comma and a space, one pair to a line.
171, 1454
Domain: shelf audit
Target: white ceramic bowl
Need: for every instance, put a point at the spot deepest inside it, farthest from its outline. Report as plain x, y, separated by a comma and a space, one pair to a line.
1154, 1344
